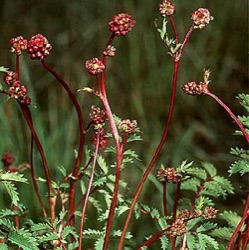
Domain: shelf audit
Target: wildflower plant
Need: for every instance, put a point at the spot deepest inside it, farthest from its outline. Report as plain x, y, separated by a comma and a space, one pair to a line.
95, 175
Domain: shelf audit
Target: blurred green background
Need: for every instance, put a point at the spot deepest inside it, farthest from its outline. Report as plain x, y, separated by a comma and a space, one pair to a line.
138, 81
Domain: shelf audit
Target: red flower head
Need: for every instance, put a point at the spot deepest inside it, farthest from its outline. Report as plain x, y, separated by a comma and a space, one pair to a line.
19, 91
166, 8
201, 18
10, 77
94, 66
38, 47
127, 126
18, 44
121, 24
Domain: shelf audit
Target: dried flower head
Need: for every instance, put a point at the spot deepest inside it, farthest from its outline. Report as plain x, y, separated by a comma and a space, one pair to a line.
94, 66
38, 47
18, 44
183, 214
201, 18
166, 8
127, 126
98, 119
10, 77
121, 24
109, 51
178, 228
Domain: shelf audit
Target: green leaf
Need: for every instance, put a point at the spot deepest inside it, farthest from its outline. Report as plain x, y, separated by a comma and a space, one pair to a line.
22, 238
3, 246
191, 184
225, 184
222, 233
207, 242
191, 241
198, 172
205, 227
210, 168
8, 176
11, 189
3, 69
231, 218
240, 166
164, 242
98, 245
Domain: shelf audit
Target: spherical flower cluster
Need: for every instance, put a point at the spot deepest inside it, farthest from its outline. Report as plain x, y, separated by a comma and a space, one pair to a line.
38, 47
166, 8
201, 18
10, 77
7, 159
209, 213
19, 91
127, 126
94, 66
109, 51
183, 214
168, 175
18, 44
178, 228
121, 24
98, 120
191, 88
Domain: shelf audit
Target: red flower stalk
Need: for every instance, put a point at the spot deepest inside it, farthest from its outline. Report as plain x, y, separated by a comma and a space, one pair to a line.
201, 18
38, 47
191, 88
121, 24
18, 44
166, 8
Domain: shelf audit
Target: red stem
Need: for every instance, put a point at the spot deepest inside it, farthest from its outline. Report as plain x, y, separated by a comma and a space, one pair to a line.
177, 196
83, 214
74, 178
119, 154
157, 152
26, 114
165, 210
174, 29
222, 104
34, 178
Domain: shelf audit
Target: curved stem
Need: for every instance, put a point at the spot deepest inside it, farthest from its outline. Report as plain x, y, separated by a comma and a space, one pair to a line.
155, 156
82, 135
34, 178
26, 114
228, 110
83, 214
174, 29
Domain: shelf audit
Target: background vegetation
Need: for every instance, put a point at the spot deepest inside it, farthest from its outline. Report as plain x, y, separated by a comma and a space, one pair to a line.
138, 81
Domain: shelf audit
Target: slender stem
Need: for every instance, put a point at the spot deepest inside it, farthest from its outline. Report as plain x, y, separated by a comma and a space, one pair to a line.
186, 38
177, 196
83, 214
18, 67
34, 178
82, 135
222, 104
26, 114
174, 29
104, 99
156, 154
237, 230
165, 210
